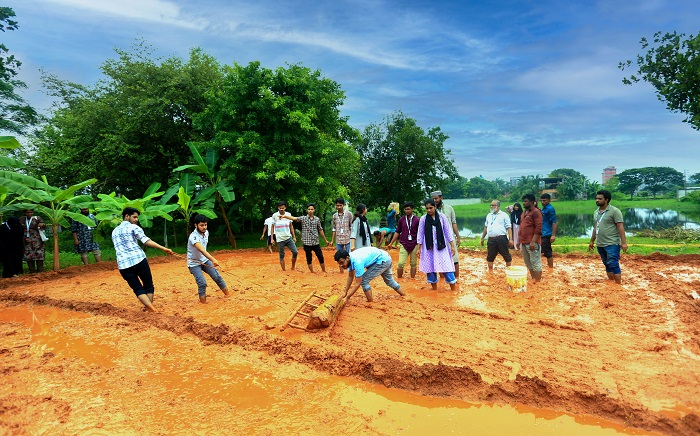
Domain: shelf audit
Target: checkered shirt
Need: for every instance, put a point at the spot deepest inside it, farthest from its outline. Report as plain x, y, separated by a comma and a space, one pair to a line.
125, 238
309, 230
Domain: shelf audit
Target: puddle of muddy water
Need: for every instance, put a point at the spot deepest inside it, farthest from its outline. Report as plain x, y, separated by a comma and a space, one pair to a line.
223, 380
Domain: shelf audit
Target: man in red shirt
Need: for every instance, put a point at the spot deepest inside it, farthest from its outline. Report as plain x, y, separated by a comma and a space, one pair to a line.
531, 236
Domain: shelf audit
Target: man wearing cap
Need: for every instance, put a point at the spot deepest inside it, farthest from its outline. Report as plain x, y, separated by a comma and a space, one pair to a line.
498, 229
449, 212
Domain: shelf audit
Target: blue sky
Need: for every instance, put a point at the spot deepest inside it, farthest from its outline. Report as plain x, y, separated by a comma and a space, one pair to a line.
521, 87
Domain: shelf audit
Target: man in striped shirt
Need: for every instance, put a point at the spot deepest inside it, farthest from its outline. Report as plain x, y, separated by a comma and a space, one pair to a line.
131, 259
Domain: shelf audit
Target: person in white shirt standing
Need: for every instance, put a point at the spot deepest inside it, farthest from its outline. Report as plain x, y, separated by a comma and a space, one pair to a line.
284, 234
498, 229
131, 259
199, 259
267, 227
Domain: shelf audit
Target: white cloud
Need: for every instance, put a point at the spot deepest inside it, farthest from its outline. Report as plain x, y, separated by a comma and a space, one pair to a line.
157, 11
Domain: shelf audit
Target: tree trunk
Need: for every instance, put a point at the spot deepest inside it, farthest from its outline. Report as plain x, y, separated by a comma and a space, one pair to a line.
229, 232
56, 263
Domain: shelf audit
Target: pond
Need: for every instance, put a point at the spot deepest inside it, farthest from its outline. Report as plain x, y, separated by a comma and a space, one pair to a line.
581, 225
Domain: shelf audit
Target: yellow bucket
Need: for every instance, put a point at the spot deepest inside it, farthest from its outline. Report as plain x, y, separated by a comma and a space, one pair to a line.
516, 276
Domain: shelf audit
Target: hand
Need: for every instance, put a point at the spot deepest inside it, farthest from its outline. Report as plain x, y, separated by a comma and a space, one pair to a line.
510, 243
214, 261
552, 239
533, 245
169, 251
482, 240
624, 247
590, 246
261, 238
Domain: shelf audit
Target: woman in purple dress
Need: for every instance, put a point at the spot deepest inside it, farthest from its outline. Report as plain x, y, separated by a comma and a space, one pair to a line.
436, 245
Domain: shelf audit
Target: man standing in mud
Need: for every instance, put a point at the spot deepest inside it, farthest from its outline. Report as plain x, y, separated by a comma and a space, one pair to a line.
609, 235
363, 265
549, 228
284, 235
530, 236
131, 259
498, 229
449, 212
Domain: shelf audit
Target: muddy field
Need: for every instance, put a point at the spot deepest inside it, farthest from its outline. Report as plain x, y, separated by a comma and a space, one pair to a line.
575, 354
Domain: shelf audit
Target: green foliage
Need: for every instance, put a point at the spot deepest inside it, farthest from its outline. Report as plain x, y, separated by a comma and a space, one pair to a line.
132, 127
280, 135
16, 116
478, 187
692, 197
676, 234
652, 179
401, 161
110, 207
694, 179
671, 64
526, 185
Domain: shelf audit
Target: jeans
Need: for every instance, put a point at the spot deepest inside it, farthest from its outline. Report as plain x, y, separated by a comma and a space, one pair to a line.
201, 281
379, 269
345, 247
287, 243
139, 278
449, 277
610, 255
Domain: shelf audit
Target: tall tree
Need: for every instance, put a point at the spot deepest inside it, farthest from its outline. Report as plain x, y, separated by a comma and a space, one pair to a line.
131, 128
630, 181
280, 135
16, 116
401, 161
659, 179
671, 64
694, 179
478, 187
573, 185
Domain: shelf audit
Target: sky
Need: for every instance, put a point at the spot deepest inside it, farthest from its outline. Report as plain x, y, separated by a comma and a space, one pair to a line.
520, 87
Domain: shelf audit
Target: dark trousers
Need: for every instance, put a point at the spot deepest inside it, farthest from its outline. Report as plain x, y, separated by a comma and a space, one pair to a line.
139, 278
498, 245
316, 249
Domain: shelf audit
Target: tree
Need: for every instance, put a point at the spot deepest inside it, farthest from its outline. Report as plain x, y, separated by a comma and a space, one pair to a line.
694, 179
657, 179
456, 188
527, 185
16, 115
671, 64
132, 127
401, 161
49, 201
215, 183
281, 136
630, 181
478, 187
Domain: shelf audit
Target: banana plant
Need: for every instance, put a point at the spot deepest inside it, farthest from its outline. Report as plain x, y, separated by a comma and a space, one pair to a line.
110, 207
189, 203
54, 204
213, 181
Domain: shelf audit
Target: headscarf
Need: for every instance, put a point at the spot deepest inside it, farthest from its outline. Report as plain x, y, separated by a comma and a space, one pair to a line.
515, 215
429, 223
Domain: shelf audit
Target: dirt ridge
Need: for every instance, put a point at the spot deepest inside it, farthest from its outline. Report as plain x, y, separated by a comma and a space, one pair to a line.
460, 382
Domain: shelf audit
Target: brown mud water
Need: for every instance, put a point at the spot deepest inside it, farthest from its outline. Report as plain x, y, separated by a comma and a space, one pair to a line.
575, 354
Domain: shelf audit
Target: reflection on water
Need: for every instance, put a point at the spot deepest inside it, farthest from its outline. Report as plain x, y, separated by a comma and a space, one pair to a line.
581, 225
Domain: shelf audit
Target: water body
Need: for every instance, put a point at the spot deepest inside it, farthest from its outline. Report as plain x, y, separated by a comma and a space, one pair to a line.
581, 225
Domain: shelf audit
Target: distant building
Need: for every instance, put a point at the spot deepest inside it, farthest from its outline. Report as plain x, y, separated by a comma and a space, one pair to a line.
548, 185
515, 181
609, 173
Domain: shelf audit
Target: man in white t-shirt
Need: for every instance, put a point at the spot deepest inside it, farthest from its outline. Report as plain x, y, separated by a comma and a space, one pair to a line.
267, 227
284, 235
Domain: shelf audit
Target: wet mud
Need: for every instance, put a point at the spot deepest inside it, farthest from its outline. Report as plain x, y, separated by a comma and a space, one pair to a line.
77, 354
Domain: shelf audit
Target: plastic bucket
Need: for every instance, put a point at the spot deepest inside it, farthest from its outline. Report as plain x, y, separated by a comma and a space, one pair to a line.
516, 276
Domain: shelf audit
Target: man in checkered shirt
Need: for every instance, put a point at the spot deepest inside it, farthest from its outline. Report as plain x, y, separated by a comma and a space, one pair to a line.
131, 259
310, 228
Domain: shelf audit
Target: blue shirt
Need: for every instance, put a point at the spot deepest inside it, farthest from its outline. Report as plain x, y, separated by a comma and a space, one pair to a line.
363, 258
549, 217
125, 238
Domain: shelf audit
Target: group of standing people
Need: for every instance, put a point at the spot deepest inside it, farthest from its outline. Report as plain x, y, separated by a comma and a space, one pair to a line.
21, 241
533, 231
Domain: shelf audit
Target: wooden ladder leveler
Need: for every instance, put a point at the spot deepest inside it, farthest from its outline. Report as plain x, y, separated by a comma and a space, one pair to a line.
304, 310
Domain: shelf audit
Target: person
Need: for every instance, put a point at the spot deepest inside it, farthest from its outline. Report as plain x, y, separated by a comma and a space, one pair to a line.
391, 219
365, 264
82, 237
267, 227
342, 227
131, 259
284, 235
498, 228
549, 228
34, 249
435, 244
310, 229
449, 212
515, 224
609, 235
407, 235
530, 236
382, 235
11, 247
199, 259
360, 236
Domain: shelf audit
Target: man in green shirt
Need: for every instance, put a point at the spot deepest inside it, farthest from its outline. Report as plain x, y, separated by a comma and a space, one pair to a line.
609, 231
